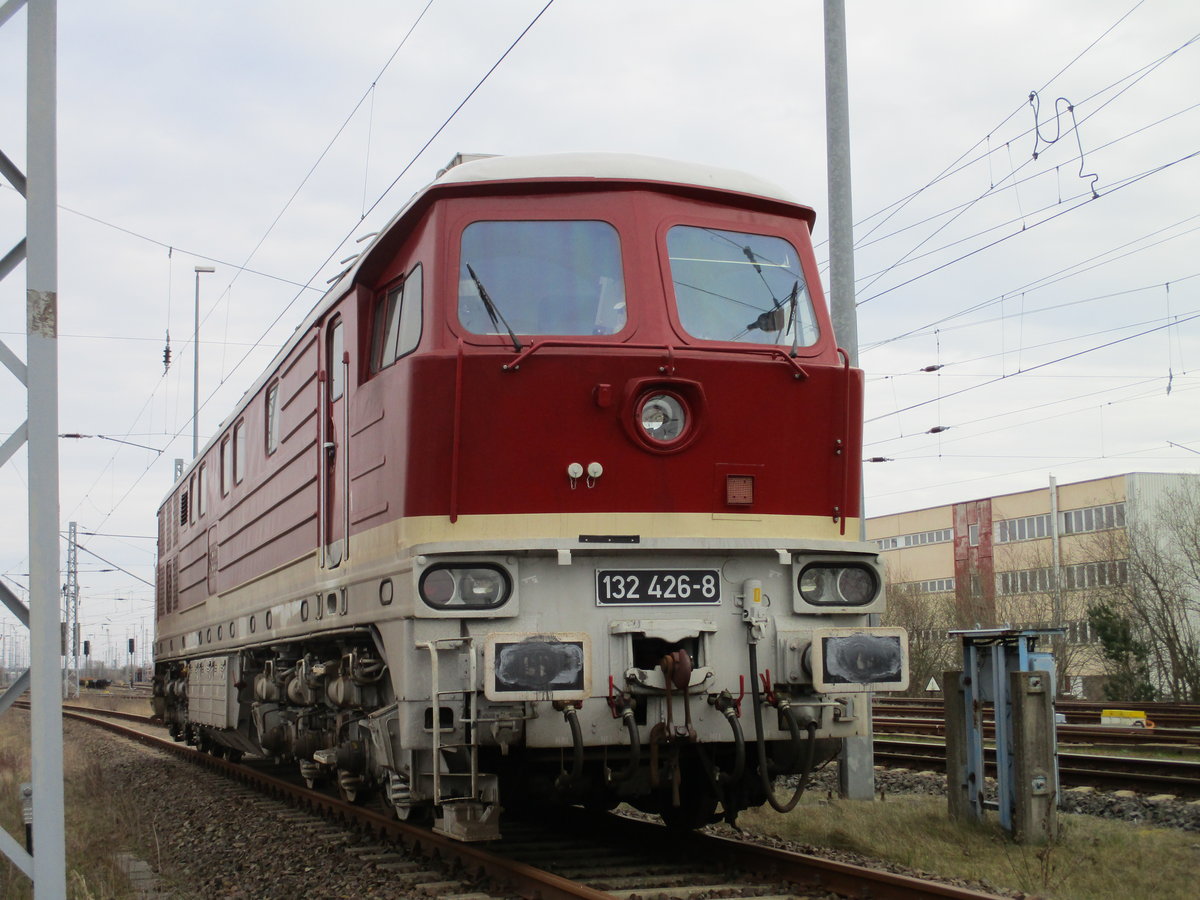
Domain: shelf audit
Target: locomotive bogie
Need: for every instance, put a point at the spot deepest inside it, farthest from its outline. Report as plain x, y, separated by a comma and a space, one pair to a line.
553, 496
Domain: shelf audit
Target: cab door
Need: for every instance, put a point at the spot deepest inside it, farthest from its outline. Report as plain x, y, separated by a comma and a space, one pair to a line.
335, 447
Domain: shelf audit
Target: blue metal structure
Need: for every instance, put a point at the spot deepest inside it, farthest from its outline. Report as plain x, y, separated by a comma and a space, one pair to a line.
990, 657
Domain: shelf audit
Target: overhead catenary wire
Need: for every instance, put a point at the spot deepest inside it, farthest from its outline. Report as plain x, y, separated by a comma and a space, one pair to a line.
1024, 410
244, 267
1051, 362
306, 285
1136, 77
899, 205
1025, 230
960, 165
1045, 281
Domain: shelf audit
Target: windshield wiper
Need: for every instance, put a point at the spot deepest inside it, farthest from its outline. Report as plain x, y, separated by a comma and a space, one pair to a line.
493, 311
774, 320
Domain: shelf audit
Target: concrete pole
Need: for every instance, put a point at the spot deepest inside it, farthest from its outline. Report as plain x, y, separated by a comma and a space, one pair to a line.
41, 267
856, 769
837, 144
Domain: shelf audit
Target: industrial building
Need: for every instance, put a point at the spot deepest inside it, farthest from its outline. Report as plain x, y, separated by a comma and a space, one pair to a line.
1034, 558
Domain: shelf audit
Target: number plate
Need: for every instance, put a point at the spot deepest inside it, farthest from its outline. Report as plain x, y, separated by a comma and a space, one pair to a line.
624, 587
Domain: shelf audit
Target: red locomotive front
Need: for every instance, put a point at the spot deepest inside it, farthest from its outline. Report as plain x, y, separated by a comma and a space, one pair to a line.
567, 463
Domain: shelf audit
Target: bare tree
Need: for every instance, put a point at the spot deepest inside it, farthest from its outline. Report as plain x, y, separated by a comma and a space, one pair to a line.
927, 617
1158, 595
1164, 591
1030, 594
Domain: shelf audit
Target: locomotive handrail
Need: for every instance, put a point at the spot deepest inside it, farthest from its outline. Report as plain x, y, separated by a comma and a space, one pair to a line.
514, 364
323, 463
844, 444
345, 460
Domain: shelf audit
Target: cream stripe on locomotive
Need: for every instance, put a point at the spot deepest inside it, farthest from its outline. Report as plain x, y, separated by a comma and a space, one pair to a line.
379, 552
677, 528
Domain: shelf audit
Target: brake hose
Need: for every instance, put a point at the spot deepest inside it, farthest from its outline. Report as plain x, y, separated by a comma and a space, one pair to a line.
793, 726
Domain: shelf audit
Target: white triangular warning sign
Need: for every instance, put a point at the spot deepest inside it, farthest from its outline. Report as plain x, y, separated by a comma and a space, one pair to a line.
933, 685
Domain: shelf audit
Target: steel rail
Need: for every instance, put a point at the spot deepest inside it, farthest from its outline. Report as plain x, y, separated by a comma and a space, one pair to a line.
1078, 712
525, 880
797, 868
1076, 769
1089, 734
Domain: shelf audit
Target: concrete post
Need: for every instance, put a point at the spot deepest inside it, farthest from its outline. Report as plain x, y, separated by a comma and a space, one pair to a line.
1035, 793
957, 795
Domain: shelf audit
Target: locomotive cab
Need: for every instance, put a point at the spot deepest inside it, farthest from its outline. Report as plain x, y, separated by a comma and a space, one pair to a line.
557, 498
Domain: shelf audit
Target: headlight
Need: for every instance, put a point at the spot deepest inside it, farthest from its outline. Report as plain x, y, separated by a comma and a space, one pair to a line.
859, 659
537, 666
826, 585
662, 417
465, 587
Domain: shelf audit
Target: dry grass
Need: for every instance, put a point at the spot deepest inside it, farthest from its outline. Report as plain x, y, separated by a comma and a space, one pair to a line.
99, 820
1093, 859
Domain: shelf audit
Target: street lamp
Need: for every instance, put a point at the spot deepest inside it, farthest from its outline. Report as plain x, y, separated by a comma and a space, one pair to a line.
200, 270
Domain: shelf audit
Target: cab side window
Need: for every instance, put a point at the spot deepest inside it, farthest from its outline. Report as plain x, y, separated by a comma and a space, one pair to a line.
397, 321
337, 372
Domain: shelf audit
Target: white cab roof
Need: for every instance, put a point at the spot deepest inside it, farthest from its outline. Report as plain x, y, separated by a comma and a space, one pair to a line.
611, 166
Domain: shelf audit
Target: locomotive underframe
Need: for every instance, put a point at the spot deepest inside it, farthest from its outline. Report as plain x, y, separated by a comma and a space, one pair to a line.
354, 700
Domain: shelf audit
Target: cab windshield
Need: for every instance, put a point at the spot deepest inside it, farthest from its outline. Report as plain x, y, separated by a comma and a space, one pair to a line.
555, 278
731, 286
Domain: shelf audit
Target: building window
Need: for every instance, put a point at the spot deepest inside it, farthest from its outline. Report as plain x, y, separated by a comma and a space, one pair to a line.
933, 586
973, 535
1093, 518
1026, 581
916, 539
1096, 574
272, 418
928, 537
239, 451
1027, 528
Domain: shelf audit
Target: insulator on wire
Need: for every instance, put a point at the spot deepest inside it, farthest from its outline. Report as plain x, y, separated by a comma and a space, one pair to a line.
167, 353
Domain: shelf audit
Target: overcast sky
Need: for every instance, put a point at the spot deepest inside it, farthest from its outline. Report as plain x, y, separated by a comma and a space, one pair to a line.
200, 133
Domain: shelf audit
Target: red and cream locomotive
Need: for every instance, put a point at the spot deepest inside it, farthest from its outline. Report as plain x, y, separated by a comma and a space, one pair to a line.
555, 495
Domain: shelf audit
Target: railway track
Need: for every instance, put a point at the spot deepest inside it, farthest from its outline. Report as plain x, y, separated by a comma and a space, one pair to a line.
578, 855
1067, 734
1078, 712
1179, 777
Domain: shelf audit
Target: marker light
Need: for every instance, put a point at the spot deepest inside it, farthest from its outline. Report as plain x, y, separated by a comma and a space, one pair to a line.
824, 585
465, 587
